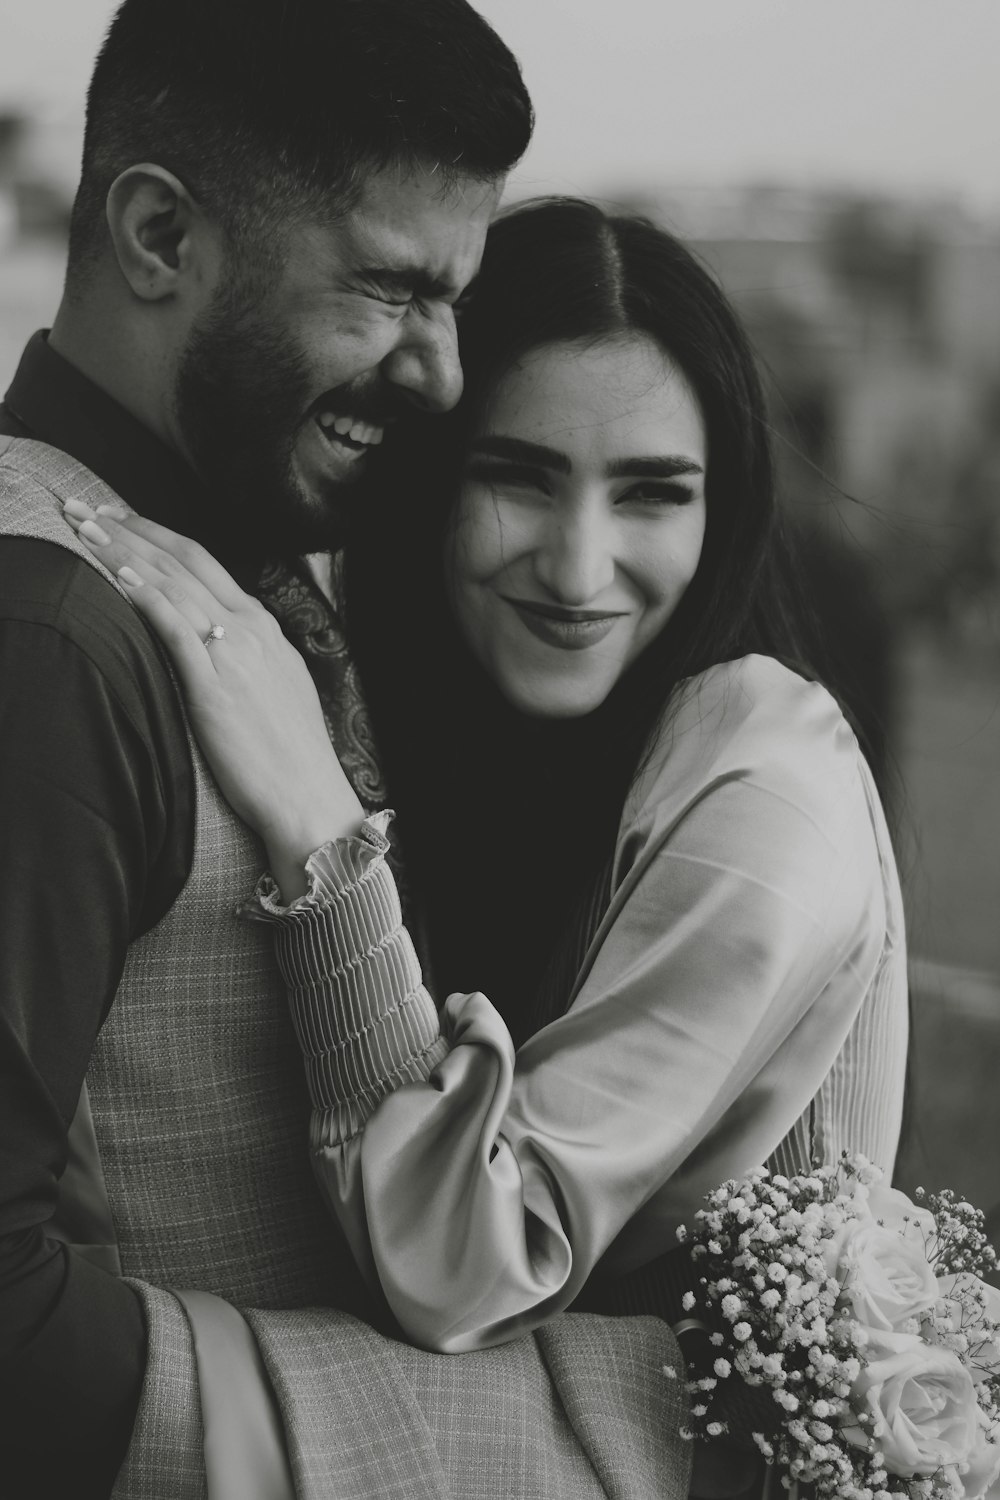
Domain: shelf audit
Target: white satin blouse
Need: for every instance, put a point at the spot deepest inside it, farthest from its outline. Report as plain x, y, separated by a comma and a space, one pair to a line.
744, 999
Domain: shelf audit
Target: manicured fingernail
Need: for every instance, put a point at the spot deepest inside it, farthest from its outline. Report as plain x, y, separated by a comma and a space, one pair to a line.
130, 577
94, 533
78, 508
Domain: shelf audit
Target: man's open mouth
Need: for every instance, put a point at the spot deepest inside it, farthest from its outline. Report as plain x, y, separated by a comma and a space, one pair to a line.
349, 433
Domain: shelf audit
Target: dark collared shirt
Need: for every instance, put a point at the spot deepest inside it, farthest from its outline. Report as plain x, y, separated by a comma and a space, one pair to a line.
96, 827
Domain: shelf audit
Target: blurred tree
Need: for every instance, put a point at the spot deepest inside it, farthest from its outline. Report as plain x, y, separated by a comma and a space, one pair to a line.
12, 131
883, 260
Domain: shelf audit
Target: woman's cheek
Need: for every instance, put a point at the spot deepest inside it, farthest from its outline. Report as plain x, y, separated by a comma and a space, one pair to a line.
493, 537
667, 555
473, 540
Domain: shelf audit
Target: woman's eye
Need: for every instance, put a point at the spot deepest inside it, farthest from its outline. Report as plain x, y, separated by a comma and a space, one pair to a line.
658, 492
509, 476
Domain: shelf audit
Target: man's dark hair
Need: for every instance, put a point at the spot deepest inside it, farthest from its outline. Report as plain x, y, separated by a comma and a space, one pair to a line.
270, 110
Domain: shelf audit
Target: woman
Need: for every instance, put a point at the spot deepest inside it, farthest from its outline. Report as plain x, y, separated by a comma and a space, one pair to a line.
657, 847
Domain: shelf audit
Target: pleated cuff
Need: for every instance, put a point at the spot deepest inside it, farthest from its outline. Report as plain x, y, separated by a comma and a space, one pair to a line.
363, 1019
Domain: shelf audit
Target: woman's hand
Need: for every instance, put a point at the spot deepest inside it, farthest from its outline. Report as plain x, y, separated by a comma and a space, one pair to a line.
250, 699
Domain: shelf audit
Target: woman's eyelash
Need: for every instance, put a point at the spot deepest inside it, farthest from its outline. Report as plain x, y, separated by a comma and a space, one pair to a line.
503, 473
659, 493
523, 476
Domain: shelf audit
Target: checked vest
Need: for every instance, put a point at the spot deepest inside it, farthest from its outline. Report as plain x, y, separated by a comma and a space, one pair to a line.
188, 1161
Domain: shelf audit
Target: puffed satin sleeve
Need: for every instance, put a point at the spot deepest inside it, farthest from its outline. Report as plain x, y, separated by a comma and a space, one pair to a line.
747, 927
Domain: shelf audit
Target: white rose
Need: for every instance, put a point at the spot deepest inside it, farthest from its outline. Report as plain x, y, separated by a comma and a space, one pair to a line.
885, 1275
984, 1463
896, 1211
923, 1402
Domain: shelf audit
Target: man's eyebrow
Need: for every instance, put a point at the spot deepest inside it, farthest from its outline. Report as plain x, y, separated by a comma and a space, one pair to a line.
519, 451
669, 466
416, 281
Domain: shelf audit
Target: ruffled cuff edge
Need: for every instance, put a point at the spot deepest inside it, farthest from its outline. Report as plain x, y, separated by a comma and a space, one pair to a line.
331, 870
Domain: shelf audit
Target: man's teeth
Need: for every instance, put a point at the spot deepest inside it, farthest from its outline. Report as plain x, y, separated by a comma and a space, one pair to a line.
352, 427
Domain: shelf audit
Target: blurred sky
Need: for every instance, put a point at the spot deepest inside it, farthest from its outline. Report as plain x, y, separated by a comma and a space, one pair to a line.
898, 95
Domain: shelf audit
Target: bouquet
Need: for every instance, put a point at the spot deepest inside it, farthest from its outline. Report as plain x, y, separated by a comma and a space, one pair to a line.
865, 1317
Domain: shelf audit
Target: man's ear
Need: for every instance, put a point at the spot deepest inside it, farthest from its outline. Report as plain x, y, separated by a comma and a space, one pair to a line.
156, 229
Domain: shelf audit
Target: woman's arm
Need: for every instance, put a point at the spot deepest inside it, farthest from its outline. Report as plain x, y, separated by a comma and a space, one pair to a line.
745, 931
747, 923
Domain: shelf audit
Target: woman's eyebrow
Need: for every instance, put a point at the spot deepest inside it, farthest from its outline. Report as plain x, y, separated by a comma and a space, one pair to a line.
519, 451
670, 466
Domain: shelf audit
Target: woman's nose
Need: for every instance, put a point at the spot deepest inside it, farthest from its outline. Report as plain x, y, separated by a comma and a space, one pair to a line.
575, 560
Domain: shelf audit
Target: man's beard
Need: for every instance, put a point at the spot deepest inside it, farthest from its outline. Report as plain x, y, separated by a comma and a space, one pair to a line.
241, 397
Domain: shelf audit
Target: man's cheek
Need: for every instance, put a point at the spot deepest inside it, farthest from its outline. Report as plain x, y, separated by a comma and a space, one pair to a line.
349, 347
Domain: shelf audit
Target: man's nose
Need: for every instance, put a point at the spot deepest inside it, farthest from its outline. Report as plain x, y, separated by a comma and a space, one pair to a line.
425, 363
576, 558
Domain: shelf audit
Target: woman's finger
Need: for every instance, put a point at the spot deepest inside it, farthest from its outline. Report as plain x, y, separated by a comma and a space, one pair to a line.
117, 548
168, 550
191, 657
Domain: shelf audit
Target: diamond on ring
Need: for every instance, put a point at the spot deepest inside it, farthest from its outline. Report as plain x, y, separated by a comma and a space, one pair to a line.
217, 633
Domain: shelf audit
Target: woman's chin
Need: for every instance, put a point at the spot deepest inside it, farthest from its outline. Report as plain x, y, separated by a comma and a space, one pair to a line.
553, 700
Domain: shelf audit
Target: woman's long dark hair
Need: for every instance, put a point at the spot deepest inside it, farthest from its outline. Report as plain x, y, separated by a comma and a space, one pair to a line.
508, 823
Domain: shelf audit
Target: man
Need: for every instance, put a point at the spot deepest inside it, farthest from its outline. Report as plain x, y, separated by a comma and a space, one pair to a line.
280, 206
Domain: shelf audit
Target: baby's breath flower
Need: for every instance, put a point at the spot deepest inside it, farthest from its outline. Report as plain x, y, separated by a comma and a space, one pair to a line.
769, 1239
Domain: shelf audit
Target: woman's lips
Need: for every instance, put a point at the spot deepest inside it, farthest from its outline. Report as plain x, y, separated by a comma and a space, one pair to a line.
568, 630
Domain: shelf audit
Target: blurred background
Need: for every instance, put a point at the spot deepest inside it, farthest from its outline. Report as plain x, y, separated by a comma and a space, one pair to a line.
839, 167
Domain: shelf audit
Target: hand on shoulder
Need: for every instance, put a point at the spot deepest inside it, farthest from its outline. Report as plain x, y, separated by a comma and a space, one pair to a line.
251, 701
